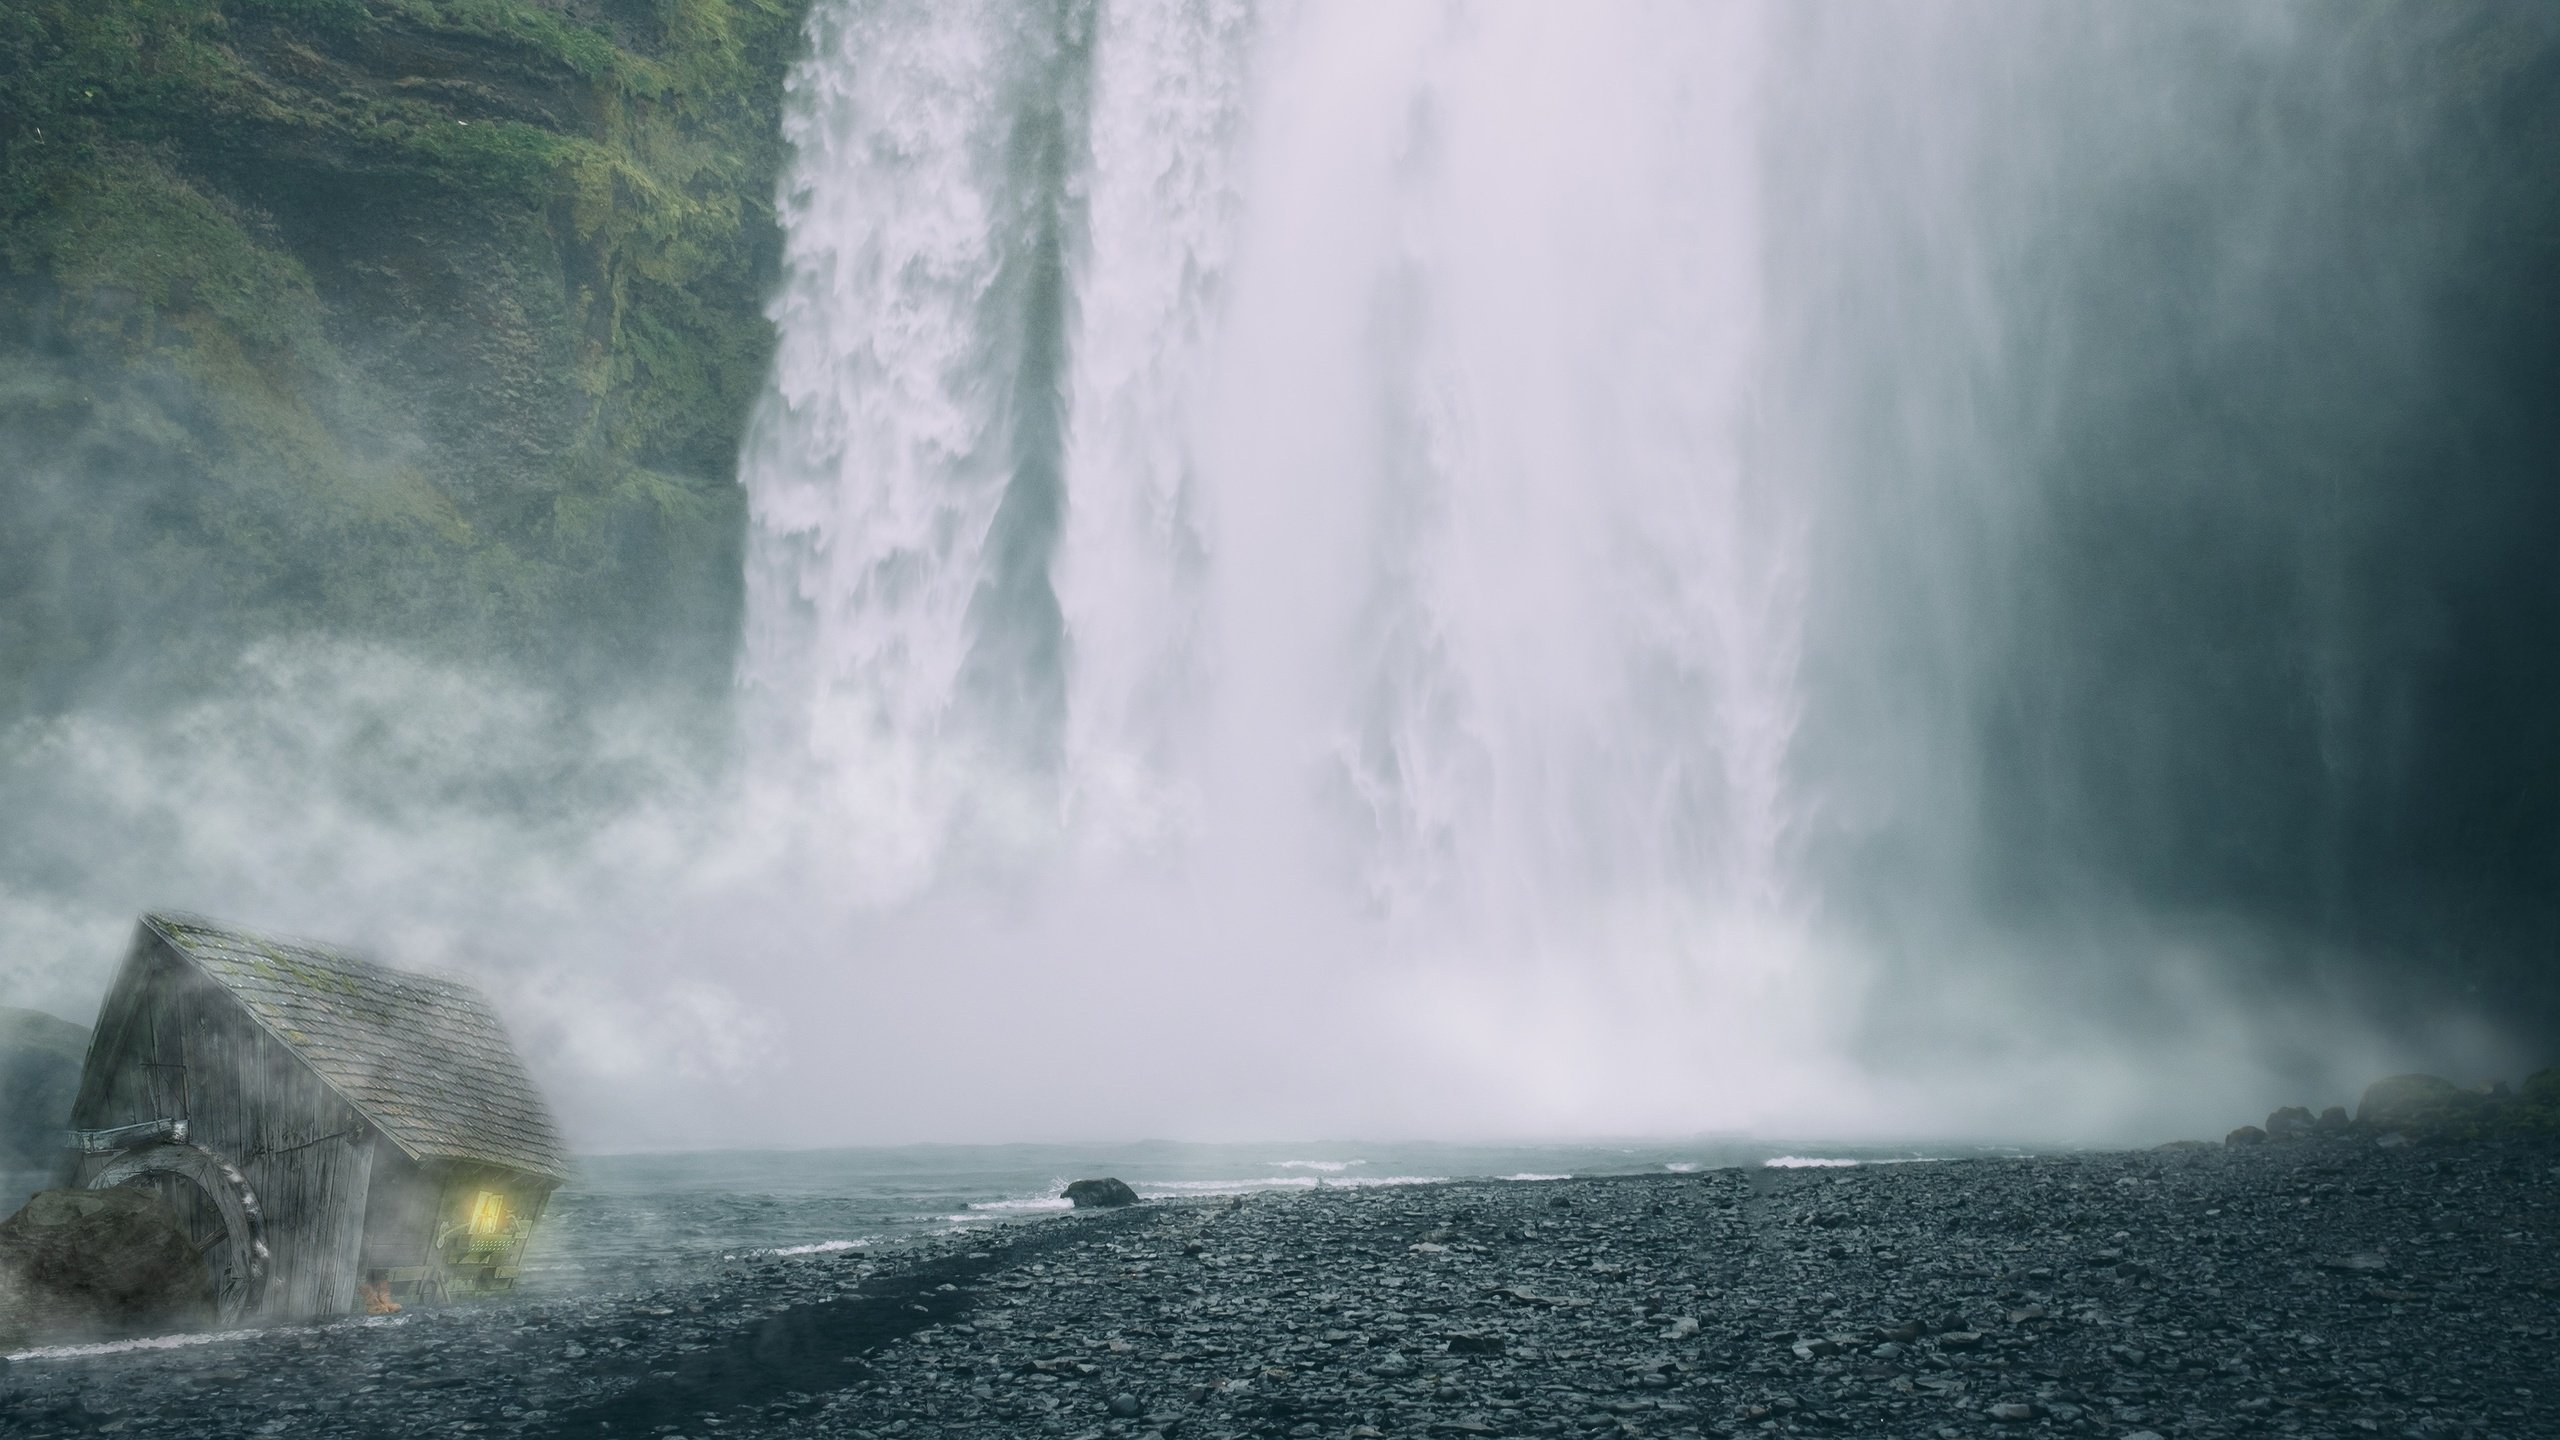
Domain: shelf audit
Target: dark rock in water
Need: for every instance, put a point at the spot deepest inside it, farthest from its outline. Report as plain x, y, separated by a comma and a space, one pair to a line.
2290, 1123
2332, 1121
40, 1060
1091, 1194
2246, 1135
87, 1263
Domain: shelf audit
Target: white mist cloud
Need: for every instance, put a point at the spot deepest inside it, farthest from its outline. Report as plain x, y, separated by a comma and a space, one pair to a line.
1527, 633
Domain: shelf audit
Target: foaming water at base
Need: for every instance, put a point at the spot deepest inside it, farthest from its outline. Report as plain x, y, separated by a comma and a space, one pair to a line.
186, 1341
627, 1217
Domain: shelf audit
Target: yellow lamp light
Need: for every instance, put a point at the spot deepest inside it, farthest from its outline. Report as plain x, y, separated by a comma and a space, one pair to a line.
489, 1213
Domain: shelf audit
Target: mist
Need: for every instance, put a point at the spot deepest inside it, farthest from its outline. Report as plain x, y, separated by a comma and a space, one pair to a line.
1927, 571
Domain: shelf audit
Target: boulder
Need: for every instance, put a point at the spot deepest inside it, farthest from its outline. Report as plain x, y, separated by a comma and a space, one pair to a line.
40, 1059
2290, 1123
2246, 1135
2422, 1105
1100, 1194
2536, 1109
2332, 1121
88, 1264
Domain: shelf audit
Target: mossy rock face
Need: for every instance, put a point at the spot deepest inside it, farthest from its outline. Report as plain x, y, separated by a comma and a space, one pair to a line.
2537, 1104
2414, 1102
2428, 1107
432, 320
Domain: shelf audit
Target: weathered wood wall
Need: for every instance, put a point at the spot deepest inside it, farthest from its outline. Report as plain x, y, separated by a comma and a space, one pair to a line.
173, 1044
400, 1217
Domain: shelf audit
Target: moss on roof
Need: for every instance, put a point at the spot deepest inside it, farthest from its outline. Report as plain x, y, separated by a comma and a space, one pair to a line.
422, 1057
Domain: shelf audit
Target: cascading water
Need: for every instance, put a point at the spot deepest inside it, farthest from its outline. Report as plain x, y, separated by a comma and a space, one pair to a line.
1620, 565
1462, 568
1414, 568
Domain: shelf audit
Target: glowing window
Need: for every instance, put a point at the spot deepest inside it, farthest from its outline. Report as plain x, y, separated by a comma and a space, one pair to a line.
489, 1213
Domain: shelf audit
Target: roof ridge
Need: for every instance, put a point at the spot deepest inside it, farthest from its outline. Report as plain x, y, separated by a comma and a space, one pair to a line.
423, 1057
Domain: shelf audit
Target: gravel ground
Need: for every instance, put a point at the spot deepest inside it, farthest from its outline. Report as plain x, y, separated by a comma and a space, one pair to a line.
2317, 1288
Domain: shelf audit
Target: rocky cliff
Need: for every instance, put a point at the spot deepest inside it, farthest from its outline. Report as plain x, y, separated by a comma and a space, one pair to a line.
427, 320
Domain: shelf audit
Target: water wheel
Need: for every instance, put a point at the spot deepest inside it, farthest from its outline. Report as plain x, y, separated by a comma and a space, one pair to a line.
216, 1209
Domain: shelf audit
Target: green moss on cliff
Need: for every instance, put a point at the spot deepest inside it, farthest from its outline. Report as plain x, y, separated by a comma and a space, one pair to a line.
429, 319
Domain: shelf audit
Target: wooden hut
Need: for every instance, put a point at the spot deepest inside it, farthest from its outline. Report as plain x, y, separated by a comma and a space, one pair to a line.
314, 1117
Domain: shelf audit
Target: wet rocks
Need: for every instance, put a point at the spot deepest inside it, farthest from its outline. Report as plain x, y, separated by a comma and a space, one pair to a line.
2356, 1290
2416, 1102
1100, 1194
2290, 1123
2246, 1135
81, 1264
2430, 1109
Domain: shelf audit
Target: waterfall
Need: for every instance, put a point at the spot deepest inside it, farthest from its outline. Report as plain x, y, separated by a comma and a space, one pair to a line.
1584, 548
1335, 426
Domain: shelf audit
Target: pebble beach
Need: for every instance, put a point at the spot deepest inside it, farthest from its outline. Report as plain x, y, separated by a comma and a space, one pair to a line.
2319, 1287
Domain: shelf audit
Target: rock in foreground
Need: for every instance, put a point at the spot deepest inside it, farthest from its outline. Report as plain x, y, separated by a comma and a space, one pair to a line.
81, 1264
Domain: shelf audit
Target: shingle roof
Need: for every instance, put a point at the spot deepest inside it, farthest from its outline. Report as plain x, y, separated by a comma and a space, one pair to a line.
422, 1057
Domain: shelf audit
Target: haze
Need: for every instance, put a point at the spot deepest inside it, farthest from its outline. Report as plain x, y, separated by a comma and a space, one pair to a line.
1477, 571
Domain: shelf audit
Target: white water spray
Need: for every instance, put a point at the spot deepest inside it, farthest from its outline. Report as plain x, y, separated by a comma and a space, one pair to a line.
1416, 588
1459, 569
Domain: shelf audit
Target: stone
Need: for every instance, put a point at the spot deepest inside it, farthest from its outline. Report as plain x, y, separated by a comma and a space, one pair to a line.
40, 1060
1125, 1406
1468, 1343
2332, 1121
2246, 1135
2013, 1412
78, 1264
2290, 1123
1100, 1194
2419, 1104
